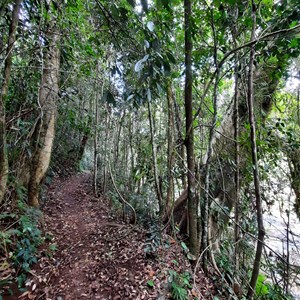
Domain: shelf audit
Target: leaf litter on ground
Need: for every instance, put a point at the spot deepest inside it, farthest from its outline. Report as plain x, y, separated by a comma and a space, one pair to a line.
91, 254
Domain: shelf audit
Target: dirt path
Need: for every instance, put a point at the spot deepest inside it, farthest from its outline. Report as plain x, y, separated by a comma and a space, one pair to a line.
86, 264
97, 256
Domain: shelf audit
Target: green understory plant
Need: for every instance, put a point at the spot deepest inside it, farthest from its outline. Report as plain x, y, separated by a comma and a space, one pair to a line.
20, 238
179, 284
268, 291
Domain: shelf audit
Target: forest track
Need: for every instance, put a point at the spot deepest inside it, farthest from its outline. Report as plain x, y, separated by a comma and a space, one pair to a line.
97, 255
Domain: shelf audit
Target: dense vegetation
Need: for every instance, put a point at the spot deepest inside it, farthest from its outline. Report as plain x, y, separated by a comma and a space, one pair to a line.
179, 108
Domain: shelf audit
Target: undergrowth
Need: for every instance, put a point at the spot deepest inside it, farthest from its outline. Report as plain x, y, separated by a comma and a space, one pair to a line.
179, 283
20, 238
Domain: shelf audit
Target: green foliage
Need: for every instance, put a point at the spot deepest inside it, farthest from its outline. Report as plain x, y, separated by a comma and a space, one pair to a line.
179, 284
261, 288
267, 291
21, 241
150, 283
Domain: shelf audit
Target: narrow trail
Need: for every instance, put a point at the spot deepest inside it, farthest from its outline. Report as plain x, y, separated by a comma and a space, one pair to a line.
91, 259
86, 265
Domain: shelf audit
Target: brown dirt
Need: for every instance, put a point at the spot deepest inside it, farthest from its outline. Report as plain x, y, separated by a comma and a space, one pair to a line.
97, 255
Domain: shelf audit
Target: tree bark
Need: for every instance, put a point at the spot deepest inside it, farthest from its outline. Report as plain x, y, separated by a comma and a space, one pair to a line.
171, 156
208, 158
106, 156
237, 145
46, 127
260, 224
189, 140
4, 169
96, 138
294, 157
181, 159
154, 160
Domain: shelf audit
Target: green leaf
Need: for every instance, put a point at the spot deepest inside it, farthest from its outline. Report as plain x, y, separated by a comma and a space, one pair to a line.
171, 58
294, 43
192, 257
273, 59
150, 283
261, 288
248, 21
53, 247
175, 262
184, 246
267, 3
115, 11
131, 3
165, 4
293, 24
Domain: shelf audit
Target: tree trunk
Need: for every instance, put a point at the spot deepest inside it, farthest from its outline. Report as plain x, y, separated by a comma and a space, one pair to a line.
106, 156
208, 158
131, 151
189, 140
118, 140
181, 154
4, 89
96, 138
294, 157
154, 160
208, 161
83, 143
171, 156
237, 146
46, 127
260, 225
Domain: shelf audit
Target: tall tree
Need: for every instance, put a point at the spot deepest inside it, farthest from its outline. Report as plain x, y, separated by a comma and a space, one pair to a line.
171, 154
189, 139
260, 224
4, 90
47, 97
154, 156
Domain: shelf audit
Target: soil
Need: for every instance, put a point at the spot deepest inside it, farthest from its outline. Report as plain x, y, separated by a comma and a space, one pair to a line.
91, 253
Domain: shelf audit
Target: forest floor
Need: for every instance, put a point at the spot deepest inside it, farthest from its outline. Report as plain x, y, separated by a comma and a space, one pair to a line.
92, 254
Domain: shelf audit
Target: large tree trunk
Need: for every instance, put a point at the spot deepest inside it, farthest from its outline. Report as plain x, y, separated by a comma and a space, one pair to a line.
46, 126
189, 141
3, 95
